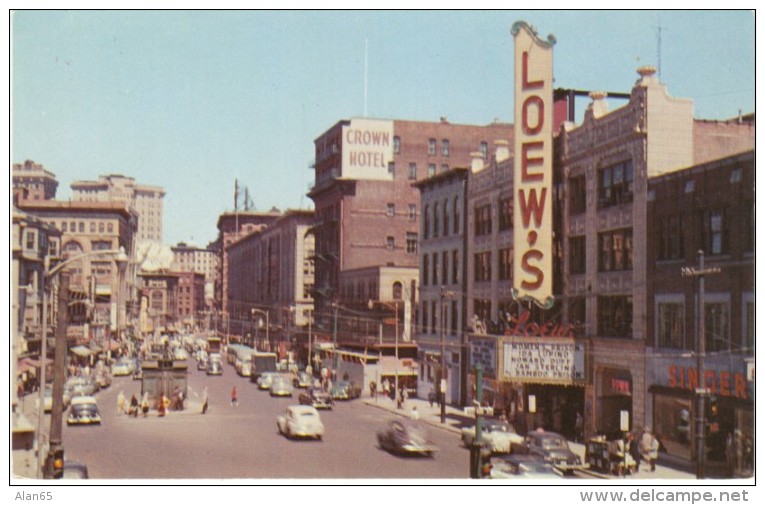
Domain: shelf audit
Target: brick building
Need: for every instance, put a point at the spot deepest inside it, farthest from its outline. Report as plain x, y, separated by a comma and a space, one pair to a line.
31, 181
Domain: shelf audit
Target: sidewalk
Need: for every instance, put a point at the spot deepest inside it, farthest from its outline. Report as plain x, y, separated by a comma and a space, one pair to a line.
456, 419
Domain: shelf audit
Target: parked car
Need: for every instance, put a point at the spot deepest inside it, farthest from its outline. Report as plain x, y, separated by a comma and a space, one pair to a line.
48, 399
553, 448
103, 378
302, 380
528, 466
264, 381
202, 364
280, 386
317, 398
345, 390
405, 436
123, 367
496, 435
83, 410
80, 386
300, 421
214, 368
75, 470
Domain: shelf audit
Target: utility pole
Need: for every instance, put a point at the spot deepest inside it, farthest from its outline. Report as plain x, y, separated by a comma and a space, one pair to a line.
444, 294
59, 369
701, 388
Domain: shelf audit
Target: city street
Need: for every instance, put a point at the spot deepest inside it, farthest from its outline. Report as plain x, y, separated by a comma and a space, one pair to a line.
243, 442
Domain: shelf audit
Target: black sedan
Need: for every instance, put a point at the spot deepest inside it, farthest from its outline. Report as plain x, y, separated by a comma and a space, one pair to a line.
553, 448
345, 390
403, 436
317, 398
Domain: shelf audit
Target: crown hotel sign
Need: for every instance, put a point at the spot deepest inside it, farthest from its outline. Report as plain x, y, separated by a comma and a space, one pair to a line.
532, 172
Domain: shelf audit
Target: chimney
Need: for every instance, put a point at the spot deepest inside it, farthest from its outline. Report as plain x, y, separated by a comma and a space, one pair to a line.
502, 151
599, 106
476, 164
444, 119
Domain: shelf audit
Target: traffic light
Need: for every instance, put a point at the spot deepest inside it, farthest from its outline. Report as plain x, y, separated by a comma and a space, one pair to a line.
485, 462
57, 464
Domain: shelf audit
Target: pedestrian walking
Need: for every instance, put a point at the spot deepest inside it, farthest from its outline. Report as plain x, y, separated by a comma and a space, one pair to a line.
204, 402
145, 404
133, 409
414, 415
372, 389
121, 403
645, 444
653, 452
431, 396
234, 397
161, 408
579, 428
386, 387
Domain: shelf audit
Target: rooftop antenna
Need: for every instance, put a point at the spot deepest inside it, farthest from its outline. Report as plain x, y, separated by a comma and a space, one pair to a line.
658, 48
366, 66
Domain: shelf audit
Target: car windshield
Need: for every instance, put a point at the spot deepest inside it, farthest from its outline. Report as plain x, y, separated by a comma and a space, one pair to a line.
553, 443
503, 427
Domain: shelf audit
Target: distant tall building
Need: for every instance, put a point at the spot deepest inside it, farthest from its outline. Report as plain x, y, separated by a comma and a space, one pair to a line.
187, 258
32, 182
146, 200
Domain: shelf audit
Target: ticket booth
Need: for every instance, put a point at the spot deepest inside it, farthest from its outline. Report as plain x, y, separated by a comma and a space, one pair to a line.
164, 376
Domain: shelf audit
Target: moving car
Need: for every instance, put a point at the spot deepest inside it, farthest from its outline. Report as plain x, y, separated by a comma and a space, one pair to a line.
553, 448
48, 399
528, 466
496, 435
317, 398
214, 368
80, 386
123, 367
345, 390
405, 436
302, 380
264, 381
280, 386
300, 421
83, 410
75, 470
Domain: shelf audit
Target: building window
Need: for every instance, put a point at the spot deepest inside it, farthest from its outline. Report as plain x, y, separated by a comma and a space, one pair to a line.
398, 291
749, 227
392, 168
455, 315
714, 231
435, 269
425, 269
615, 184
100, 245
577, 312
483, 220
482, 266
578, 200
92, 227
615, 250
412, 171
101, 227
432, 147
484, 149
396, 144
445, 147
435, 219
446, 218
748, 324
431, 169
31, 236
717, 327
615, 316
412, 212
390, 243
82, 227
482, 309
505, 213
577, 257
109, 227
456, 214
411, 242
455, 266
433, 315
505, 264
671, 325
671, 238
426, 222
424, 314
391, 212
445, 266
444, 168
63, 226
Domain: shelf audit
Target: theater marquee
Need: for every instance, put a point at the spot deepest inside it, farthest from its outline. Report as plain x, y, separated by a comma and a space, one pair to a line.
543, 361
532, 172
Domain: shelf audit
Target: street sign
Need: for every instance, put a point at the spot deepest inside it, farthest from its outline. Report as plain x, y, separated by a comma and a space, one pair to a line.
624, 420
532, 404
443, 385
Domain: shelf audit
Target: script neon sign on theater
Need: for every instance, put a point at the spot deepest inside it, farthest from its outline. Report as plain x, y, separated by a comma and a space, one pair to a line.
532, 172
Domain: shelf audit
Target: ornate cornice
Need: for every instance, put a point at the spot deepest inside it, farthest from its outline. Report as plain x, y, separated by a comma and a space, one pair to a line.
551, 40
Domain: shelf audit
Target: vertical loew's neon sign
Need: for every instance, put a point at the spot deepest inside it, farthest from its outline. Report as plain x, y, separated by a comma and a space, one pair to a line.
532, 172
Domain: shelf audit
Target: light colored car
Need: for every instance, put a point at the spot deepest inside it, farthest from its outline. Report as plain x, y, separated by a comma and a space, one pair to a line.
300, 421
83, 410
122, 367
48, 399
264, 381
303, 380
80, 386
521, 466
496, 435
280, 386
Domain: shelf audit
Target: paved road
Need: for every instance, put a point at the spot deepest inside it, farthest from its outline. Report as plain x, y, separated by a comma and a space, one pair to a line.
242, 442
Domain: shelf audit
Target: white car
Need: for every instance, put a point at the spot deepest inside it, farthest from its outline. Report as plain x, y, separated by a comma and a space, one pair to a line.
264, 381
48, 399
496, 435
300, 421
122, 367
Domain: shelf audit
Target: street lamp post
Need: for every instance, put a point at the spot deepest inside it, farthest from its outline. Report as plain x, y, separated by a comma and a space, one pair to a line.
59, 361
701, 389
443, 294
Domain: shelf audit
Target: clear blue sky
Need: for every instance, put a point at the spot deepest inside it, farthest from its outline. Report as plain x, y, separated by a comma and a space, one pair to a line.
191, 100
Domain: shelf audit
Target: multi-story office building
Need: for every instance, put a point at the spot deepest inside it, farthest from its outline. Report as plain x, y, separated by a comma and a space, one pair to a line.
146, 200
87, 227
231, 227
32, 182
191, 301
367, 211
271, 271
708, 207
187, 258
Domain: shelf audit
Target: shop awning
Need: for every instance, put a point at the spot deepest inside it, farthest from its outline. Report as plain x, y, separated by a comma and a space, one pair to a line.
81, 350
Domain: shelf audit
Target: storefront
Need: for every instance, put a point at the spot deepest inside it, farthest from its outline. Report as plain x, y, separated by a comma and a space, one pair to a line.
729, 411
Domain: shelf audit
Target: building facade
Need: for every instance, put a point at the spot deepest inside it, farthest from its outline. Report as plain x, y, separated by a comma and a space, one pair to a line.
31, 181
187, 258
148, 201
708, 207
191, 301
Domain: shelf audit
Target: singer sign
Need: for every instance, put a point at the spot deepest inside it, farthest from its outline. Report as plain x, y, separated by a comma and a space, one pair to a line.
532, 172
